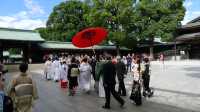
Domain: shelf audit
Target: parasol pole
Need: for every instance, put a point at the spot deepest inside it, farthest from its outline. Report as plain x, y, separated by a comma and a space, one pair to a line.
92, 47
93, 50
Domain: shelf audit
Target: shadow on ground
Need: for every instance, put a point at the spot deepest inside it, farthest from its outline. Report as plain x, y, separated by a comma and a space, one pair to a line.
192, 69
54, 99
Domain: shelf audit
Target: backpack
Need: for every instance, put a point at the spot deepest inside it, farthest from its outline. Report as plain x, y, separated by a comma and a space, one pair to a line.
74, 72
7, 104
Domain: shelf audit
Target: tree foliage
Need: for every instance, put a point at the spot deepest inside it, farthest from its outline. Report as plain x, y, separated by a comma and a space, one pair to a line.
66, 19
157, 18
128, 21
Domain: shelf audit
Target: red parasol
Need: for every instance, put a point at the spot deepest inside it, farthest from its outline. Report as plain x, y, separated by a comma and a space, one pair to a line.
89, 37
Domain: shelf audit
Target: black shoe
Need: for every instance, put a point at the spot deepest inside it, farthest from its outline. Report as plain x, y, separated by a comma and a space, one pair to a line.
106, 107
122, 104
123, 95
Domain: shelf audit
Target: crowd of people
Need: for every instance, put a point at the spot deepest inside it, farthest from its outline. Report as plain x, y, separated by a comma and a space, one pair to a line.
79, 70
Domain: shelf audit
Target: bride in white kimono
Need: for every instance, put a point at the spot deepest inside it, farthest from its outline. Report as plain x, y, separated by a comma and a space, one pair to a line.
85, 75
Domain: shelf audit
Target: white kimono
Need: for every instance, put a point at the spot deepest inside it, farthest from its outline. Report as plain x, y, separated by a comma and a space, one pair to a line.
48, 70
56, 68
64, 72
85, 76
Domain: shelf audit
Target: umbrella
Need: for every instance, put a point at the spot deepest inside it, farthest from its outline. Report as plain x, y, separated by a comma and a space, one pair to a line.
89, 37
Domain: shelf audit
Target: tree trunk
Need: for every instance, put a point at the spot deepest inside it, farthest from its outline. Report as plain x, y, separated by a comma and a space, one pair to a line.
151, 48
175, 50
118, 50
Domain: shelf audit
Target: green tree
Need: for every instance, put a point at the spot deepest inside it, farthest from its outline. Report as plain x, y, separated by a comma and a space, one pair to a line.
66, 19
157, 18
115, 16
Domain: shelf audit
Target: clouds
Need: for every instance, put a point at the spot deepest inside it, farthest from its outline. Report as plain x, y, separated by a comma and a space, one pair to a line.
192, 11
20, 22
33, 7
188, 3
25, 19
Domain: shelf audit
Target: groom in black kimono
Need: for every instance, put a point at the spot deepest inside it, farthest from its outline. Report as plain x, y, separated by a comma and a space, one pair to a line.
109, 74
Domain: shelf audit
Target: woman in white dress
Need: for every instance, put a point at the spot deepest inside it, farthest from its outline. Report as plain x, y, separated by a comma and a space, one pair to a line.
85, 75
48, 69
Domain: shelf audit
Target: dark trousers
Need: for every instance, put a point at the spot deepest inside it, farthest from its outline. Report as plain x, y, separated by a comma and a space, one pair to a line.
128, 67
73, 82
146, 79
121, 89
111, 89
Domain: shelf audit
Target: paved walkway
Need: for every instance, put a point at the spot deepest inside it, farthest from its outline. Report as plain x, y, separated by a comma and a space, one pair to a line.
176, 90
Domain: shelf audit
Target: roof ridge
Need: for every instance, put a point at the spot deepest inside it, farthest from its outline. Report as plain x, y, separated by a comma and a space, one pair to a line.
197, 19
19, 30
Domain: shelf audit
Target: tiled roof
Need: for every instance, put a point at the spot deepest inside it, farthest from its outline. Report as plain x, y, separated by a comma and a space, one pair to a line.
19, 35
190, 36
69, 45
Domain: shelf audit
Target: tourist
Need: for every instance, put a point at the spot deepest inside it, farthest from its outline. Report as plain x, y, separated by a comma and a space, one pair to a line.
6, 103
23, 99
136, 88
146, 77
109, 82
73, 73
129, 61
124, 60
85, 75
121, 72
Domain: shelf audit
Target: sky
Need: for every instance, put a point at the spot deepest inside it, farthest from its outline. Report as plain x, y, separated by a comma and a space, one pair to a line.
31, 14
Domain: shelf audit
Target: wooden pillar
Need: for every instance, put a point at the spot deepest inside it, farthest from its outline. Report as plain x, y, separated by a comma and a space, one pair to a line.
1, 51
29, 53
26, 53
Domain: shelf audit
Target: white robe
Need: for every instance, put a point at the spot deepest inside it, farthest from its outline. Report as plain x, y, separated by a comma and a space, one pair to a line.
85, 76
64, 72
56, 67
48, 70
101, 88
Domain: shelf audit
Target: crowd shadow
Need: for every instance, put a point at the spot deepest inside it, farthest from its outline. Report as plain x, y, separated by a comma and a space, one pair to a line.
193, 72
178, 92
193, 69
194, 75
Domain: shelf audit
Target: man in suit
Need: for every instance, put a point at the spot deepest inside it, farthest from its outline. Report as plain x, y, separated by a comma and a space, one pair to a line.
109, 74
